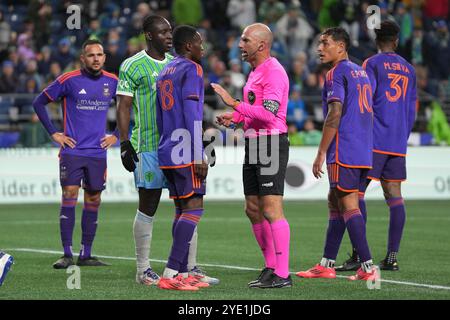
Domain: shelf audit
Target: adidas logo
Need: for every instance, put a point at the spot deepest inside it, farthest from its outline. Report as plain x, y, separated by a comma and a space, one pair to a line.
82, 91
155, 74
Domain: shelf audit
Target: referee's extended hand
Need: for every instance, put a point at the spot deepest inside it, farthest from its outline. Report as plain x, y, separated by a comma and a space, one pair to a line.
224, 95
128, 155
63, 140
225, 119
317, 165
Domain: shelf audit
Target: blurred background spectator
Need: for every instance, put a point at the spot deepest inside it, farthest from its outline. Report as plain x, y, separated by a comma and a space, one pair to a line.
8, 78
36, 47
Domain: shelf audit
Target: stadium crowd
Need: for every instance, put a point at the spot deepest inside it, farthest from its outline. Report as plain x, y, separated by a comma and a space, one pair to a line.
36, 47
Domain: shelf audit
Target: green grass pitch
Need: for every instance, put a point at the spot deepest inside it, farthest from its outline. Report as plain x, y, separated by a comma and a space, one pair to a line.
225, 242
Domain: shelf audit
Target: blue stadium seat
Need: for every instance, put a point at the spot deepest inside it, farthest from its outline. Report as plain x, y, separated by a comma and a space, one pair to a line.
9, 139
5, 105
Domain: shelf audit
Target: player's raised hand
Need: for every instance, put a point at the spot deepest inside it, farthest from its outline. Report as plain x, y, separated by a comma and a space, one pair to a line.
317, 165
63, 140
128, 155
108, 141
201, 170
224, 95
225, 119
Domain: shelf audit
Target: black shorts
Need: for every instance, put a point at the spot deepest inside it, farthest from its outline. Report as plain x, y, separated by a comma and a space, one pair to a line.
265, 163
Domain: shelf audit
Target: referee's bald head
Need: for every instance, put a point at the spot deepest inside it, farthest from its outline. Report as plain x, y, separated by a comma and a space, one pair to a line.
261, 32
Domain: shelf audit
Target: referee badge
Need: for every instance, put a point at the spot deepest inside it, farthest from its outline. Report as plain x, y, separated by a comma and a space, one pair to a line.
251, 97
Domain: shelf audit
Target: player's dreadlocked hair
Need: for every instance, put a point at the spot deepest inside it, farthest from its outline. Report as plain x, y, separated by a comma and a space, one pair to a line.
338, 34
182, 35
388, 32
150, 21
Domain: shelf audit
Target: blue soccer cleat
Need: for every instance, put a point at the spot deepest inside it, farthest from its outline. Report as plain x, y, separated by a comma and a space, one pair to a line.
147, 277
6, 262
201, 276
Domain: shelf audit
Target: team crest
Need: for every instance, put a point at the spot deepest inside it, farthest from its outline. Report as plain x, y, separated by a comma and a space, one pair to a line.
149, 176
106, 92
251, 97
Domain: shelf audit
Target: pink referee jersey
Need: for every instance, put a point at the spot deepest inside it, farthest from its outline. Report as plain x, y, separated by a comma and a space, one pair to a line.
265, 102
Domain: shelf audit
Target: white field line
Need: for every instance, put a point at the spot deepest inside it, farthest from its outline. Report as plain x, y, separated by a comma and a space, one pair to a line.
405, 283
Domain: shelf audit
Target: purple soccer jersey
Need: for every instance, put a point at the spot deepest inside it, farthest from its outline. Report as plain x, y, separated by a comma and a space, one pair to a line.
393, 82
85, 101
179, 110
349, 84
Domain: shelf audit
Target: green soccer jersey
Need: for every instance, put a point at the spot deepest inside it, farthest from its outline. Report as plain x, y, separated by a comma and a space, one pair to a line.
137, 79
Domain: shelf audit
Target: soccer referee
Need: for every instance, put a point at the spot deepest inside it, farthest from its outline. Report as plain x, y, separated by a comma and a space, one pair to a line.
263, 113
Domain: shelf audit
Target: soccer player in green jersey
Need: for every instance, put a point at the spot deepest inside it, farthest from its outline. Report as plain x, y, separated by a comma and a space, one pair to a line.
137, 91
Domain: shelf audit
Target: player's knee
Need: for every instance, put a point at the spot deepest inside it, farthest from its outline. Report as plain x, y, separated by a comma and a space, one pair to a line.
332, 202
148, 209
272, 215
149, 201
92, 197
194, 202
392, 194
252, 211
70, 193
391, 189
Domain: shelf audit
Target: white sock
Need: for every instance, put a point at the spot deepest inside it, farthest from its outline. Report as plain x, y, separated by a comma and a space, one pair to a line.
142, 230
169, 273
192, 256
327, 263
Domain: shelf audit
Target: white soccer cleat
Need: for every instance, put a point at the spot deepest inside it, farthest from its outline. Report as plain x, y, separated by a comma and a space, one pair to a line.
201, 276
6, 262
148, 277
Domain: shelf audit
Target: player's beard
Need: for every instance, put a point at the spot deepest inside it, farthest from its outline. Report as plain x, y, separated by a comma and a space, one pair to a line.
93, 71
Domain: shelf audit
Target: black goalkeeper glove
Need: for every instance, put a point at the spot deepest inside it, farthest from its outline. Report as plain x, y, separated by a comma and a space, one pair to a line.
128, 155
212, 156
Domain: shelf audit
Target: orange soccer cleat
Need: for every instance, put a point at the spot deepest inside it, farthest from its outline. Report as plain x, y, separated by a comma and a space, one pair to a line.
362, 275
195, 282
318, 272
176, 283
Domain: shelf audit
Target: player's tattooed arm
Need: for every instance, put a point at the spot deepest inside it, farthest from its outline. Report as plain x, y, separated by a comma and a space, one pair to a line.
330, 129
334, 115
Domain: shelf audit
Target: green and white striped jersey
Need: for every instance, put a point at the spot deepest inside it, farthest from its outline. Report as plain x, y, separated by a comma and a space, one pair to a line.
137, 79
